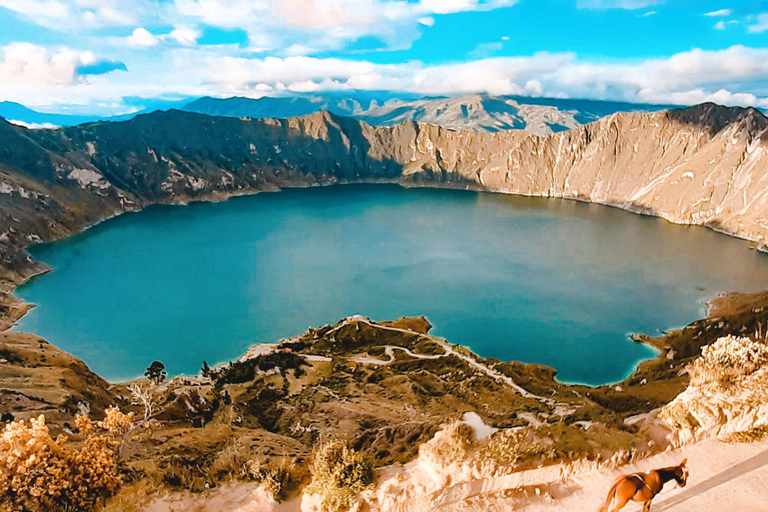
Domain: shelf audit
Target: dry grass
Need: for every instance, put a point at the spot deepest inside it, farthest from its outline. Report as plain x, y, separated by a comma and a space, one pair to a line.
451, 445
748, 436
276, 481
728, 359
41, 473
339, 475
501, 453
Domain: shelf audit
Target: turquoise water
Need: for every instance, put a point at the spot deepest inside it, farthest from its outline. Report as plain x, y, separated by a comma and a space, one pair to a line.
547, 281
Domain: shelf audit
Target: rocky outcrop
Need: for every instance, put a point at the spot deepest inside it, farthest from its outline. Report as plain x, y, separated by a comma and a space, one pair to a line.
703, 165
727, 394
702, 412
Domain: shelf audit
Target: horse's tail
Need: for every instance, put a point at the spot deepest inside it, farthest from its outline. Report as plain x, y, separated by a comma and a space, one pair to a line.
611, 495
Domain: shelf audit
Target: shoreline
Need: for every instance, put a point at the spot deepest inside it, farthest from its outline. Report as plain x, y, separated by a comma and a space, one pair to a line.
7, 323
583, 423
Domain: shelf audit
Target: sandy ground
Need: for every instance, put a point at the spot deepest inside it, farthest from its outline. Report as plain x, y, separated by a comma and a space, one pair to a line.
723, 477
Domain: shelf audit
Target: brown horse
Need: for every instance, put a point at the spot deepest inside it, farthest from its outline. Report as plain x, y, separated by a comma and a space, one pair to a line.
643, 487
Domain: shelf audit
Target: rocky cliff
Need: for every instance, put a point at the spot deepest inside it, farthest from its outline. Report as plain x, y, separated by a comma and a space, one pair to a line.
702, 165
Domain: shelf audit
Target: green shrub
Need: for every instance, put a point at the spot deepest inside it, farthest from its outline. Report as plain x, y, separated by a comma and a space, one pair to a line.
239, 372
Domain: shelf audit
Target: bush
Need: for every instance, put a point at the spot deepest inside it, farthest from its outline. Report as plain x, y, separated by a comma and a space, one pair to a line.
274, 481
748, 436
239, 372
503, 452
507, 449
39, 473
451, 445
727, 359
339, 474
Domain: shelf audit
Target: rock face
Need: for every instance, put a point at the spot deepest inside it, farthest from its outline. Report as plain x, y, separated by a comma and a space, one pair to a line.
702, 165
718, 411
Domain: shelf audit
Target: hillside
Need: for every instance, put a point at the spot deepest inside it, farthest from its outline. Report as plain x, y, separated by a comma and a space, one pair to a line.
702, 165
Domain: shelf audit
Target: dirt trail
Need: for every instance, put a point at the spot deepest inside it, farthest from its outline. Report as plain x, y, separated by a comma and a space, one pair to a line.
448, 351
723, 477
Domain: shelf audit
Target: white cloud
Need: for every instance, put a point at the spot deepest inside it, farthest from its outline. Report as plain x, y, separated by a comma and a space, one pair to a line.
759, 24
33, 126
720, 25
299, 50
142, 37
427, 21
720, 13
735, 76
77, 14
36, 66
328, 24
333, 13
616, 4
689, 77
52, 9
184, 35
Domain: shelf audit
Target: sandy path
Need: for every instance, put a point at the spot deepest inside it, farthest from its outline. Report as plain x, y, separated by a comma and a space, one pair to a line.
723, 478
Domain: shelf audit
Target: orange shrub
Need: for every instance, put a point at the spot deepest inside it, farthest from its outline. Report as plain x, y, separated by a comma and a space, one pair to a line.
39, 473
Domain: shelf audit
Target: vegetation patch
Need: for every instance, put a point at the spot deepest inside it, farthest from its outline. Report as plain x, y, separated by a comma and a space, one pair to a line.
748, 436
339, 475
728, 359
276, 481
40, 473
239, 372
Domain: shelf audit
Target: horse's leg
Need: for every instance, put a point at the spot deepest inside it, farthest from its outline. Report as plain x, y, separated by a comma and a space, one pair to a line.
647, 506
619, 502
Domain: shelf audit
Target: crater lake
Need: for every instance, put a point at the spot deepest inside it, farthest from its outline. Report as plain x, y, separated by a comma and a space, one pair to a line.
555, 282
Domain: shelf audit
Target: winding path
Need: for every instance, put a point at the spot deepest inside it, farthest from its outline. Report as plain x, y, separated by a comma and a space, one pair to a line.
448, 351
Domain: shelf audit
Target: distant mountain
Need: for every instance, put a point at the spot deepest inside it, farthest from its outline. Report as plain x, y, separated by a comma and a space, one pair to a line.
16, 112
479, 112
282, 107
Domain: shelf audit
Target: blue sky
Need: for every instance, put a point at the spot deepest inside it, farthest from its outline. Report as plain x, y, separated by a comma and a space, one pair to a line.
115, 56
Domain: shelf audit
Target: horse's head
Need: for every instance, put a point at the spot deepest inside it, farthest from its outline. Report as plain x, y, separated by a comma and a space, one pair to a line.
681, 473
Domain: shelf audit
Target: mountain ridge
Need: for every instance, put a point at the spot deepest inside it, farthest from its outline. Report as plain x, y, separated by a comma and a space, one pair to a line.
702, 165
480, 112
